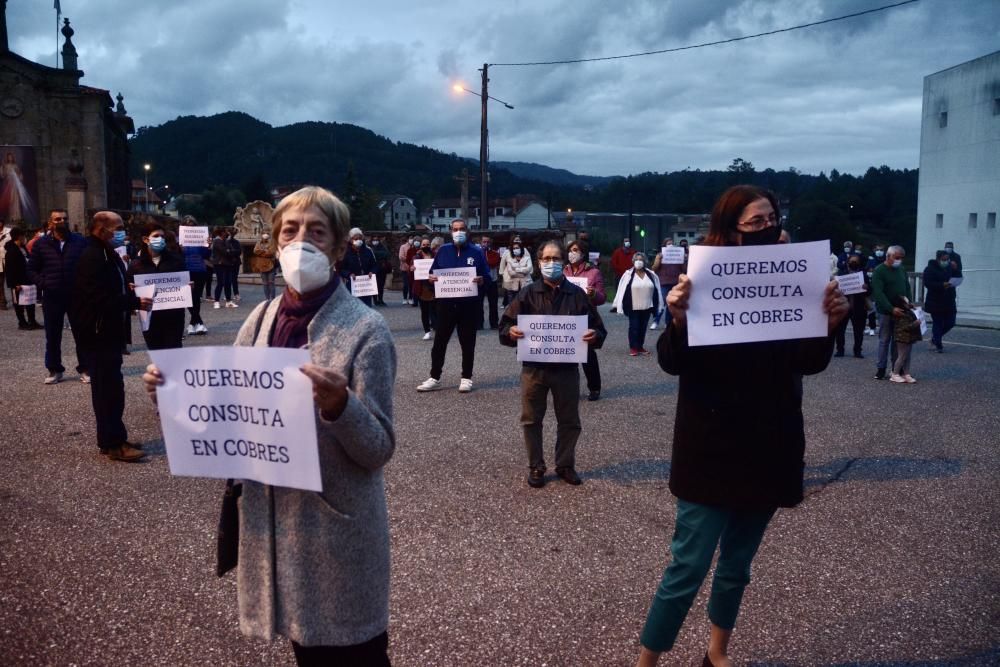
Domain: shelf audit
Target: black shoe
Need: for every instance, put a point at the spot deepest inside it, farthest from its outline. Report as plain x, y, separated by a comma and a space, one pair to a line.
838, 353
569, 476
23, 326
880, 374
35, 326
536, 478
858, 355
594, 395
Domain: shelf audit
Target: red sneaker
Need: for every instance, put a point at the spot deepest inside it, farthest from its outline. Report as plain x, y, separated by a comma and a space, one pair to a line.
633, 352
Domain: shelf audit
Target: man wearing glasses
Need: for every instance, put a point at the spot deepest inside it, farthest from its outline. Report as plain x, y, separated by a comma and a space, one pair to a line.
52, 268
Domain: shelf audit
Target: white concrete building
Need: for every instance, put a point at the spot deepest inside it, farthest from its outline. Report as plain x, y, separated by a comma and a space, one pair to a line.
398, 212
959, 188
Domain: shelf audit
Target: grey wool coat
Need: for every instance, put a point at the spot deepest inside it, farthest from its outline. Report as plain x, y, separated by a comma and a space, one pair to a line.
314, 567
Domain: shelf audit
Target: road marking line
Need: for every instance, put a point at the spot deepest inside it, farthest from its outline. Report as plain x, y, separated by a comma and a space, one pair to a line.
985, 347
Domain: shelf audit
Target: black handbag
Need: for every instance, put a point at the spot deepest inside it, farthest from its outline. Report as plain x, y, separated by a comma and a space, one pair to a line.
227, 547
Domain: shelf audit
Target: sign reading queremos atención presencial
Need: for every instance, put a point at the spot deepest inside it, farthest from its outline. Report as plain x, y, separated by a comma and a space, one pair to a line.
364, 285
240, 413
173, 290
455, 283
552, 338
756, 293
192, 236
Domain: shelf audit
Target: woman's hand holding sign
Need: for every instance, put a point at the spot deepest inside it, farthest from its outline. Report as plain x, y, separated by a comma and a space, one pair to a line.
152, 379
677, 300
834, 305
329, 390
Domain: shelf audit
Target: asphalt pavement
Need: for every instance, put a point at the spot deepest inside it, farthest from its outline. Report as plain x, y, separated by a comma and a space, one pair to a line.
890, 561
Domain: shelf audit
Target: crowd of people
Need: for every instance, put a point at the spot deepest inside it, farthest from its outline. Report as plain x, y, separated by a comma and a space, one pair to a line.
729, 474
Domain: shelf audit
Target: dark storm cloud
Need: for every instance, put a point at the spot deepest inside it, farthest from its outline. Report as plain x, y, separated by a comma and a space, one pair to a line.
845, 95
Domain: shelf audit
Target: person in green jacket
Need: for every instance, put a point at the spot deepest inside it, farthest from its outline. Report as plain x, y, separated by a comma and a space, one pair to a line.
889, 282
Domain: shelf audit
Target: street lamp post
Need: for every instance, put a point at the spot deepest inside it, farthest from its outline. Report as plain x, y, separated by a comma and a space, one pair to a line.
146, 168
484, 143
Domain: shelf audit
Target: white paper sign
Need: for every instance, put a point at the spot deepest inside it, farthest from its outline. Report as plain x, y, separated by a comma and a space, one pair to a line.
422, 268
122, 252
192, 236
594, 256
579, 281
364, 285
851, 283
173, 290
757, 293
955, 282
145, 292
552, 338
27, 295
240, 413
672, 254
455, 283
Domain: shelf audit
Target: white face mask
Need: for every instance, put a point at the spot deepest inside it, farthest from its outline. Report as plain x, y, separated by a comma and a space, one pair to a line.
358, 243
896, 263
627, 244
640, 264
574, 257
304, 266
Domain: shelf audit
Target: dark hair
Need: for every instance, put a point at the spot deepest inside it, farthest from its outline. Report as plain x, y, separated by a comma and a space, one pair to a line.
546, 244
16, 233
582, 245
938, 256
728, 208
153, 226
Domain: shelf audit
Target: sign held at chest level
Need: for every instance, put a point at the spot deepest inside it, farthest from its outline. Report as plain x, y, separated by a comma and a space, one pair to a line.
552, 338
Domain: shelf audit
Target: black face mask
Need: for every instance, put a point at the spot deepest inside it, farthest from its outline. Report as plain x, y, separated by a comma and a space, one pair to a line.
62, 228
766, 236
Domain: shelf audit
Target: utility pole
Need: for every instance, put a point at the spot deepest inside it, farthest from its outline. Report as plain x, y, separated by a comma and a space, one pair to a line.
484, 216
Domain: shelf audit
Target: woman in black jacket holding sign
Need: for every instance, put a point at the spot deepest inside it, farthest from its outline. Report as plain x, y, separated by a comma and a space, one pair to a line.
738, 441
166, 327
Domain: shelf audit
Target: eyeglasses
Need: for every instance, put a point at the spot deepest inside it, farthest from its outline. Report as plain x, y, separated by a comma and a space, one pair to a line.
757, 223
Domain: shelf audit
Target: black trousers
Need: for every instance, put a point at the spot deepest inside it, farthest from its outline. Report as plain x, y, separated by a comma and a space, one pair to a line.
55, 308
198, 278
166, 330
463, 314
20, 311
427, 314
372, 653
563, 381
107, 393
592, 369
380, 281
491, 295
857, 320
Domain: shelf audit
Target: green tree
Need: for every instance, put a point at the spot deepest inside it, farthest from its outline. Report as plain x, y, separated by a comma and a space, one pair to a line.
820, 221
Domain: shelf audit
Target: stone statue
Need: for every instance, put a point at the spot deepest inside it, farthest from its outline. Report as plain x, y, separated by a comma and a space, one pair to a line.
252, 220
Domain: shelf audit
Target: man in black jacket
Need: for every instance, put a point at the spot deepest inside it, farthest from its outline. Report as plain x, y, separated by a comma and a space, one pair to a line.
552, 295
102, 301
51, 268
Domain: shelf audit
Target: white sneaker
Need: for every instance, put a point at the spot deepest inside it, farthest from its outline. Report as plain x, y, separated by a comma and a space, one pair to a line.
200, 329
897, 378
465, 386
216, 305
430, 384
652, 326
190, 330
230, 304
871, 332
85, 378
428, 335
54, 378
909, 379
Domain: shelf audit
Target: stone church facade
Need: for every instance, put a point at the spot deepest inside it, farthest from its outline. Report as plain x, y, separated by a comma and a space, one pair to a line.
69, 141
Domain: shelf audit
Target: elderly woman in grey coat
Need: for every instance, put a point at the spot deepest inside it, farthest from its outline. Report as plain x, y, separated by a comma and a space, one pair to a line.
314, 567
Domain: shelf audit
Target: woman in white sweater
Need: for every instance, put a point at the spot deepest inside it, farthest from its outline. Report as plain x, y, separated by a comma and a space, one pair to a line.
638, 296
515, 271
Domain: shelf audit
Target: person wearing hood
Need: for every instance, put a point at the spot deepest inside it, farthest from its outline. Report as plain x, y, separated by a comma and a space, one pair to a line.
940, 301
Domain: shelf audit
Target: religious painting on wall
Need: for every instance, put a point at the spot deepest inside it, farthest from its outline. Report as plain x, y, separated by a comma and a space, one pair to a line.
18, 186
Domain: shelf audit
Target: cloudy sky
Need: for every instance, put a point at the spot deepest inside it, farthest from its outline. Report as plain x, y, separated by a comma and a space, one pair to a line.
845, 95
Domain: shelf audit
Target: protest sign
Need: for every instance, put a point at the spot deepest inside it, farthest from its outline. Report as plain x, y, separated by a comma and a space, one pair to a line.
956, 281
672, 254
594, 257
455, 283
579, 281
122, 252
851, 283
757, 293
27, 295
173, 290
192, 236
364, 285
145, 292
552, 338
422, 268
239, 413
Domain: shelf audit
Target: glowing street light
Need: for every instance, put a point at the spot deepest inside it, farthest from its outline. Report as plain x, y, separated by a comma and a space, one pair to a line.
146, 168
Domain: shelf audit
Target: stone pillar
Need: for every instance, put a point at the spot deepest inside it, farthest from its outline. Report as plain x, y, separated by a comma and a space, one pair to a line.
76, 194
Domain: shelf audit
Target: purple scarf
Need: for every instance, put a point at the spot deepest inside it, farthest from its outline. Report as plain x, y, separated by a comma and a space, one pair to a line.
295, 314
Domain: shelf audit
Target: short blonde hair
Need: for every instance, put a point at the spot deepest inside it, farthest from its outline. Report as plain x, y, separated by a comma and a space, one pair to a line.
335, 211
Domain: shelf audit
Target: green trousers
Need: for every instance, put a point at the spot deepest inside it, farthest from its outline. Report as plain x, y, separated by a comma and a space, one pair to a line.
699, 530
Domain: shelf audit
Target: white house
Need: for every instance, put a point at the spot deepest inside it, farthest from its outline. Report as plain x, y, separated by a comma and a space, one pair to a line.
959, 187
398, 211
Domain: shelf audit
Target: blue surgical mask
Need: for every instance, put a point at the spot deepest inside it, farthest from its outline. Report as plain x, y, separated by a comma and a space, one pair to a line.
896, 263
458, 237
157, 243
552, 270
880, 253
118, 239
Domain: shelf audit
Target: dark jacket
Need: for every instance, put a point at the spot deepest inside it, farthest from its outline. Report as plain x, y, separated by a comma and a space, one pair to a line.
940, 299
538, 298
382, 258
101, 298
234, 252
194, 258
739, 441
358, 262
171, 319
52, 269
15, 266
225, 254
451, 256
